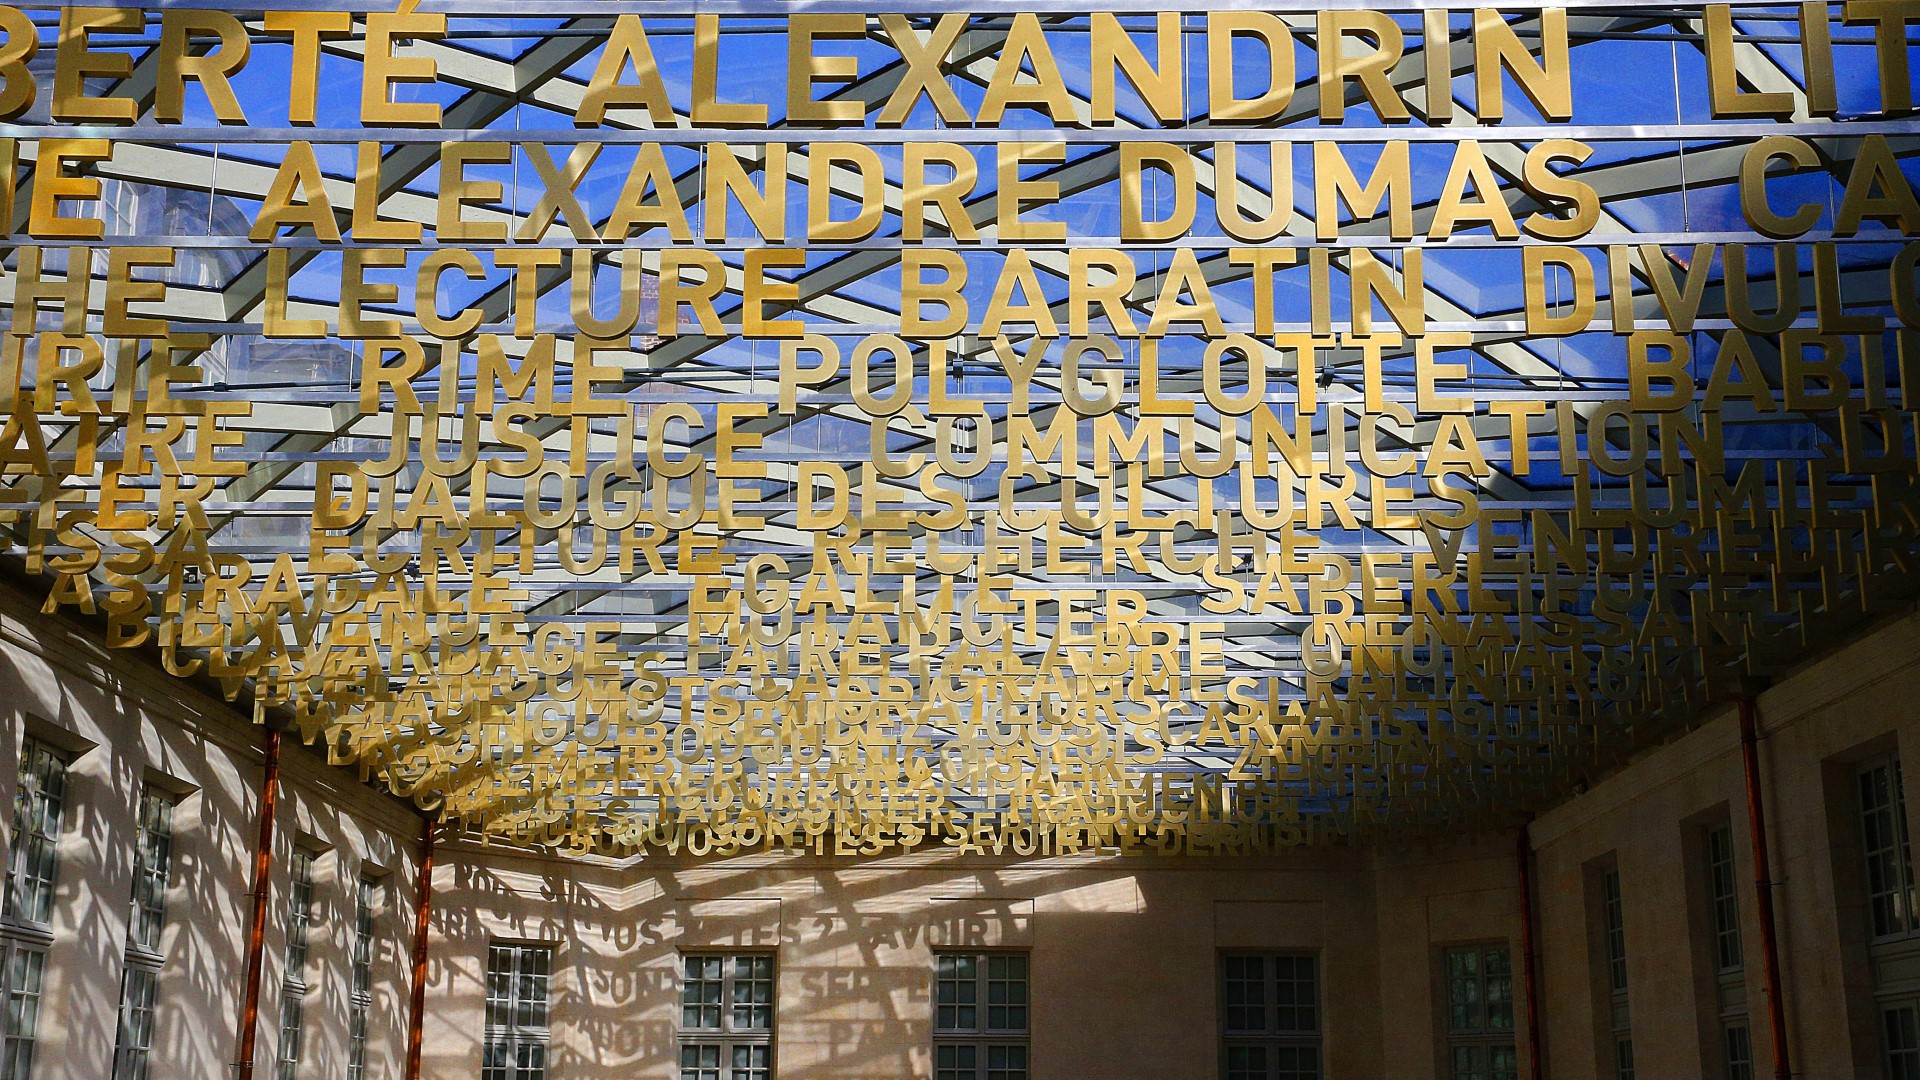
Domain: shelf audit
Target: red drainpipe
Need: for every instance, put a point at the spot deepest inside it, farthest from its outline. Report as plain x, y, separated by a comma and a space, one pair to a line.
1763, 889
1527, 956
262, 890
423, 909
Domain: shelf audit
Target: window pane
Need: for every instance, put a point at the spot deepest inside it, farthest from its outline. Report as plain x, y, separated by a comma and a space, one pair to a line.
360, 979
699, 1063
1298, 1063
1270, 1012
1885, 845
152, 863
134, 1042
700, 991
1007, 1062
956, 1062
517, 990
26, 972
499, 986
975, 994
956, 990
752, 993
726, 1016
292, 1017
1244, 993
33, 853
299, 915
1006, 993
1623, 1059
1903, 1042
1723, 899
1739, 1047
751, 1062
1499, 990
1296, 994
1246, 1063
1503, 1063
1466, 1010
298, 923
496, 1062
1469, 1063
531, 1008
1614, 913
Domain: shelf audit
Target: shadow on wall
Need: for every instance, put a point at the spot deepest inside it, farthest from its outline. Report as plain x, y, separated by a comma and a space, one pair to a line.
855, 944
94, 882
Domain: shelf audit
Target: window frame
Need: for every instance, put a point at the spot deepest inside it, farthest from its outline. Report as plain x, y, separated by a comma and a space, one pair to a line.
1623, 1066
133, 1037
369, 898
26, 921
146, 927
514, 1035
1608, 962
1891, 1056
1714, 862
18, 960
1613, 930
297, 927
1888, 948
152, 869
1736, 1049
1723, 899
983, 1038
1484, 1039
43, 773
726, 1037
1903, 897
1274, 1039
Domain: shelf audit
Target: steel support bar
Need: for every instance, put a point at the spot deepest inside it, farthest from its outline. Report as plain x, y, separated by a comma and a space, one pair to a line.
1763, 889
422, 912
262, 891
1710, 132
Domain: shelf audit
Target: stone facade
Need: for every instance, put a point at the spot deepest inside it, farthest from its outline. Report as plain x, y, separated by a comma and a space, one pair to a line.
1124, 952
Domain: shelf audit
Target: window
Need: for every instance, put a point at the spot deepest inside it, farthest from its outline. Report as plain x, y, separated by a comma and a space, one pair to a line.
1723, 901
1889, 853
517, 1031
26, 970
26, 907
133, 1046
152, 862
1480, 1014
1891, 909
1613, 943
293, 988
140, 979
1739, 1047
1613, 910
1902, 1026
726, 1017
980, 1016
1270, 1016
360, 990
1728, 954
33, 852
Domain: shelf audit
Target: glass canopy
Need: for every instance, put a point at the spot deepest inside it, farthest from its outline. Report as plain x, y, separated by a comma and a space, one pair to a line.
1215, 430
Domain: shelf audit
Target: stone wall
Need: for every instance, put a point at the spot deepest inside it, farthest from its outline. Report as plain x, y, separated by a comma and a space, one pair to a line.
126, 723
1124, 951
1859, 702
